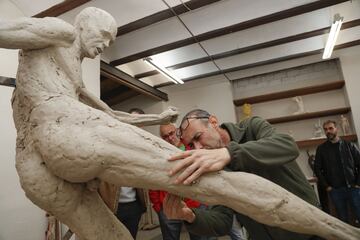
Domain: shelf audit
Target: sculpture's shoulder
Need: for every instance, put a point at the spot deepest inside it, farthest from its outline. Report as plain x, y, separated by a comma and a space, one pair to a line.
35, 33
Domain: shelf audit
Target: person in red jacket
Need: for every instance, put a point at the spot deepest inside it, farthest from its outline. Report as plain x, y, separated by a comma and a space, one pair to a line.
171, 229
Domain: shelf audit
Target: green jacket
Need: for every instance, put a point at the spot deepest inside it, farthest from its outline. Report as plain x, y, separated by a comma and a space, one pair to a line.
256, 148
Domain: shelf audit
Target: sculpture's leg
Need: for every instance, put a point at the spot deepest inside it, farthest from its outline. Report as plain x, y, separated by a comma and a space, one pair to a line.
82, 210
126, 155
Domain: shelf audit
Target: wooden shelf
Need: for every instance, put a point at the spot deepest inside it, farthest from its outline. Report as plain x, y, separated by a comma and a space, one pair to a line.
310, 115
291, 93
318, 141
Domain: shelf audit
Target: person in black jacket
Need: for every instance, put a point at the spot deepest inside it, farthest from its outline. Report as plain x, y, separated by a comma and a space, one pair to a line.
337, 165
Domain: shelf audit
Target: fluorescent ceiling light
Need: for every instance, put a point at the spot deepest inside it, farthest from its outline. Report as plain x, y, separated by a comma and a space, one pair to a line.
334, 32
163, 71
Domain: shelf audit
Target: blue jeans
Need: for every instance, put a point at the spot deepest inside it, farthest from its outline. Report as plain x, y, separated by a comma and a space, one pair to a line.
171, 229
344, 197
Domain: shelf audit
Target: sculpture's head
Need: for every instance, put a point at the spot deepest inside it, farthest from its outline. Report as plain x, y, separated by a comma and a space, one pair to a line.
97, 30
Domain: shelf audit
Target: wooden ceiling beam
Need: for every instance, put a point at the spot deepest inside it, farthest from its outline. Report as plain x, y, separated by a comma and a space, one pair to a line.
255, 47
163, 15
114, 92
121, 97
146, 74
274, 60
230, 29
119, 76
261, 63
61, 8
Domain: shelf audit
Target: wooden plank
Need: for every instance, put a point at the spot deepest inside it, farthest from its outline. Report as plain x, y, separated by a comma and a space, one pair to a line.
309, 115
230, 29
163, 15
119, 89
119, 76
272, 43
318, 141
270, 61
6, 81
122, 97
146, 74
61, 8
291, 93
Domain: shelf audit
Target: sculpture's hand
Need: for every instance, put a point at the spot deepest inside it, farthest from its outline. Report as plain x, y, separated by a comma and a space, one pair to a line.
175, 208
194, 163
169, 115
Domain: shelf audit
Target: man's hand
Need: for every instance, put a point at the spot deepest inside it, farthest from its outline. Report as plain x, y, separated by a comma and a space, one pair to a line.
175, 208
169, 115
197, 162
328, 189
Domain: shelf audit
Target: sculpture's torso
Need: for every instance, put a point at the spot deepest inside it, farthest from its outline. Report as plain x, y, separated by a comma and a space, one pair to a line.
44, 76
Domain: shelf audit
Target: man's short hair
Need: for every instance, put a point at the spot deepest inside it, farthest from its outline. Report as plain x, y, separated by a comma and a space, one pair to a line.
195, 113
136, 111
329, 122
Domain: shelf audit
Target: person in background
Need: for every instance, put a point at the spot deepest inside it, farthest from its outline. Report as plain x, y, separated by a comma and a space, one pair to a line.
171, 229
127, 203
337, 167
131, 201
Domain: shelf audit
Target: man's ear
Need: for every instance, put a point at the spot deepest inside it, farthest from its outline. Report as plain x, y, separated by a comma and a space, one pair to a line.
213, 121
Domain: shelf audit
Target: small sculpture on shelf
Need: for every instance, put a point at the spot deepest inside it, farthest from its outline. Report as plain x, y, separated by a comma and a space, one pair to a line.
300, 105
318, 131
291, 133
345, 125
246, 111
311, 159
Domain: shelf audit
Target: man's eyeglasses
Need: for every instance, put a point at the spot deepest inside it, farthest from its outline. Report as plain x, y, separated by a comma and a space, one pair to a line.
168, 135
185, 124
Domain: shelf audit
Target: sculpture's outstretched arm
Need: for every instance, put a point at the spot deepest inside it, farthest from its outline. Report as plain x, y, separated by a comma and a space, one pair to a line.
35, 33
169, 115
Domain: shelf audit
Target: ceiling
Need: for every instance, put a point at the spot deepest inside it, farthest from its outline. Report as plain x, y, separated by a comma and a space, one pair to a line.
196, 39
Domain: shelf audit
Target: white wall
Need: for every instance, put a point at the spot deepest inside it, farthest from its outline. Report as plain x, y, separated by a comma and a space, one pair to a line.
212, 94
19, 218
350, 64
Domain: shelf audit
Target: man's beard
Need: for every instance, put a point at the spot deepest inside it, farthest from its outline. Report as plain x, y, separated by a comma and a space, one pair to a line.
330, 136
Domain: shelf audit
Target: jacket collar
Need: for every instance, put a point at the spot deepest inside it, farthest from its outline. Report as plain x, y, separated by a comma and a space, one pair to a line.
236, 132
